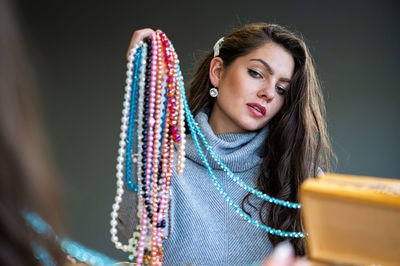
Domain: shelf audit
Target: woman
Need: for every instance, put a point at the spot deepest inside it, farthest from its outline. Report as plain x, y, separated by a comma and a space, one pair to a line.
26, 178
28, 189
257, 100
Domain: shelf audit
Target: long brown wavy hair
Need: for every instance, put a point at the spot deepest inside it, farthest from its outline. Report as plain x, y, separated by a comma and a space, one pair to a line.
26, 177
298, 142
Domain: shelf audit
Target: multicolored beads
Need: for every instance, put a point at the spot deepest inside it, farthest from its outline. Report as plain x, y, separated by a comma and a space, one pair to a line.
156, 104
153, 120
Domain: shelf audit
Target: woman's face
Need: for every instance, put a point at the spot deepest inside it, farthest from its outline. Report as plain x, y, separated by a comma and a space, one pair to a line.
252, 90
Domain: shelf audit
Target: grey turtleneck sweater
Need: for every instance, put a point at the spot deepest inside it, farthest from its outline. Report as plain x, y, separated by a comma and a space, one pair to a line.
205, 229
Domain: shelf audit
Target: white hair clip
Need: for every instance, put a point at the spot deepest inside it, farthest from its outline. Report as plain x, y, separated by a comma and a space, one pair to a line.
217, 45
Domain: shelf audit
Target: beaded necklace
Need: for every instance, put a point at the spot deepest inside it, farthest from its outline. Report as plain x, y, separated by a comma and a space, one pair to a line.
154, 87
72, 249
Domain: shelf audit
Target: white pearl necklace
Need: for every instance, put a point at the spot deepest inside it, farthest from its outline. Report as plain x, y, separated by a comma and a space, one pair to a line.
121, 153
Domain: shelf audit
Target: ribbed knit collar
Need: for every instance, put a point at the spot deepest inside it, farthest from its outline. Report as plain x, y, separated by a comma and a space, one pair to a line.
239, 151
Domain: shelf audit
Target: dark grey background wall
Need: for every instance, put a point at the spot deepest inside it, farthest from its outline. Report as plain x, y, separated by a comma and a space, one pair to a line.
78, 51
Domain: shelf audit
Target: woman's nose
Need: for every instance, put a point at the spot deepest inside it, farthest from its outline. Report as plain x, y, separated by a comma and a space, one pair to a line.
267, 92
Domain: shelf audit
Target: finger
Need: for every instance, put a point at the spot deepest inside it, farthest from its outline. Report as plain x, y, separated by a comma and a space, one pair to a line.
138, 36
283, 255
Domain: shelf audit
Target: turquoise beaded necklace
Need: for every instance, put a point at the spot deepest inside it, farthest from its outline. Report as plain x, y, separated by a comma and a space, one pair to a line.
132, 114
74, 249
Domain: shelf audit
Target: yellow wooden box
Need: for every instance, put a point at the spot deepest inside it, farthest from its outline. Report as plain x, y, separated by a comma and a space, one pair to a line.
352, 219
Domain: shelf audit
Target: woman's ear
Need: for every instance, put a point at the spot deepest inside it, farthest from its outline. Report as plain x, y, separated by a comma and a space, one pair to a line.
216, 66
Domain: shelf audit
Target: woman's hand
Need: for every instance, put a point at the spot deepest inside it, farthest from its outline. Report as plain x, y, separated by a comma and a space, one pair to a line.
283, 255
138, 36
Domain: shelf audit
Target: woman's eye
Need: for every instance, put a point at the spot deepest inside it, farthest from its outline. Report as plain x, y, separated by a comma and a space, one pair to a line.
281, 90
254, 73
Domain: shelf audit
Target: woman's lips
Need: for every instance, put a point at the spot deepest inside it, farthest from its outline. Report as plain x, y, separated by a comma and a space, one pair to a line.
257, 109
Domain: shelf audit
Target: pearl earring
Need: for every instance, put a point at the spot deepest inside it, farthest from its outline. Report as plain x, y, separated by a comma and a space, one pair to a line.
213, 92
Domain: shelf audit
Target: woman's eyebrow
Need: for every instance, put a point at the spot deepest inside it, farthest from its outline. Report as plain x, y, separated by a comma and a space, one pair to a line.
269, 69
